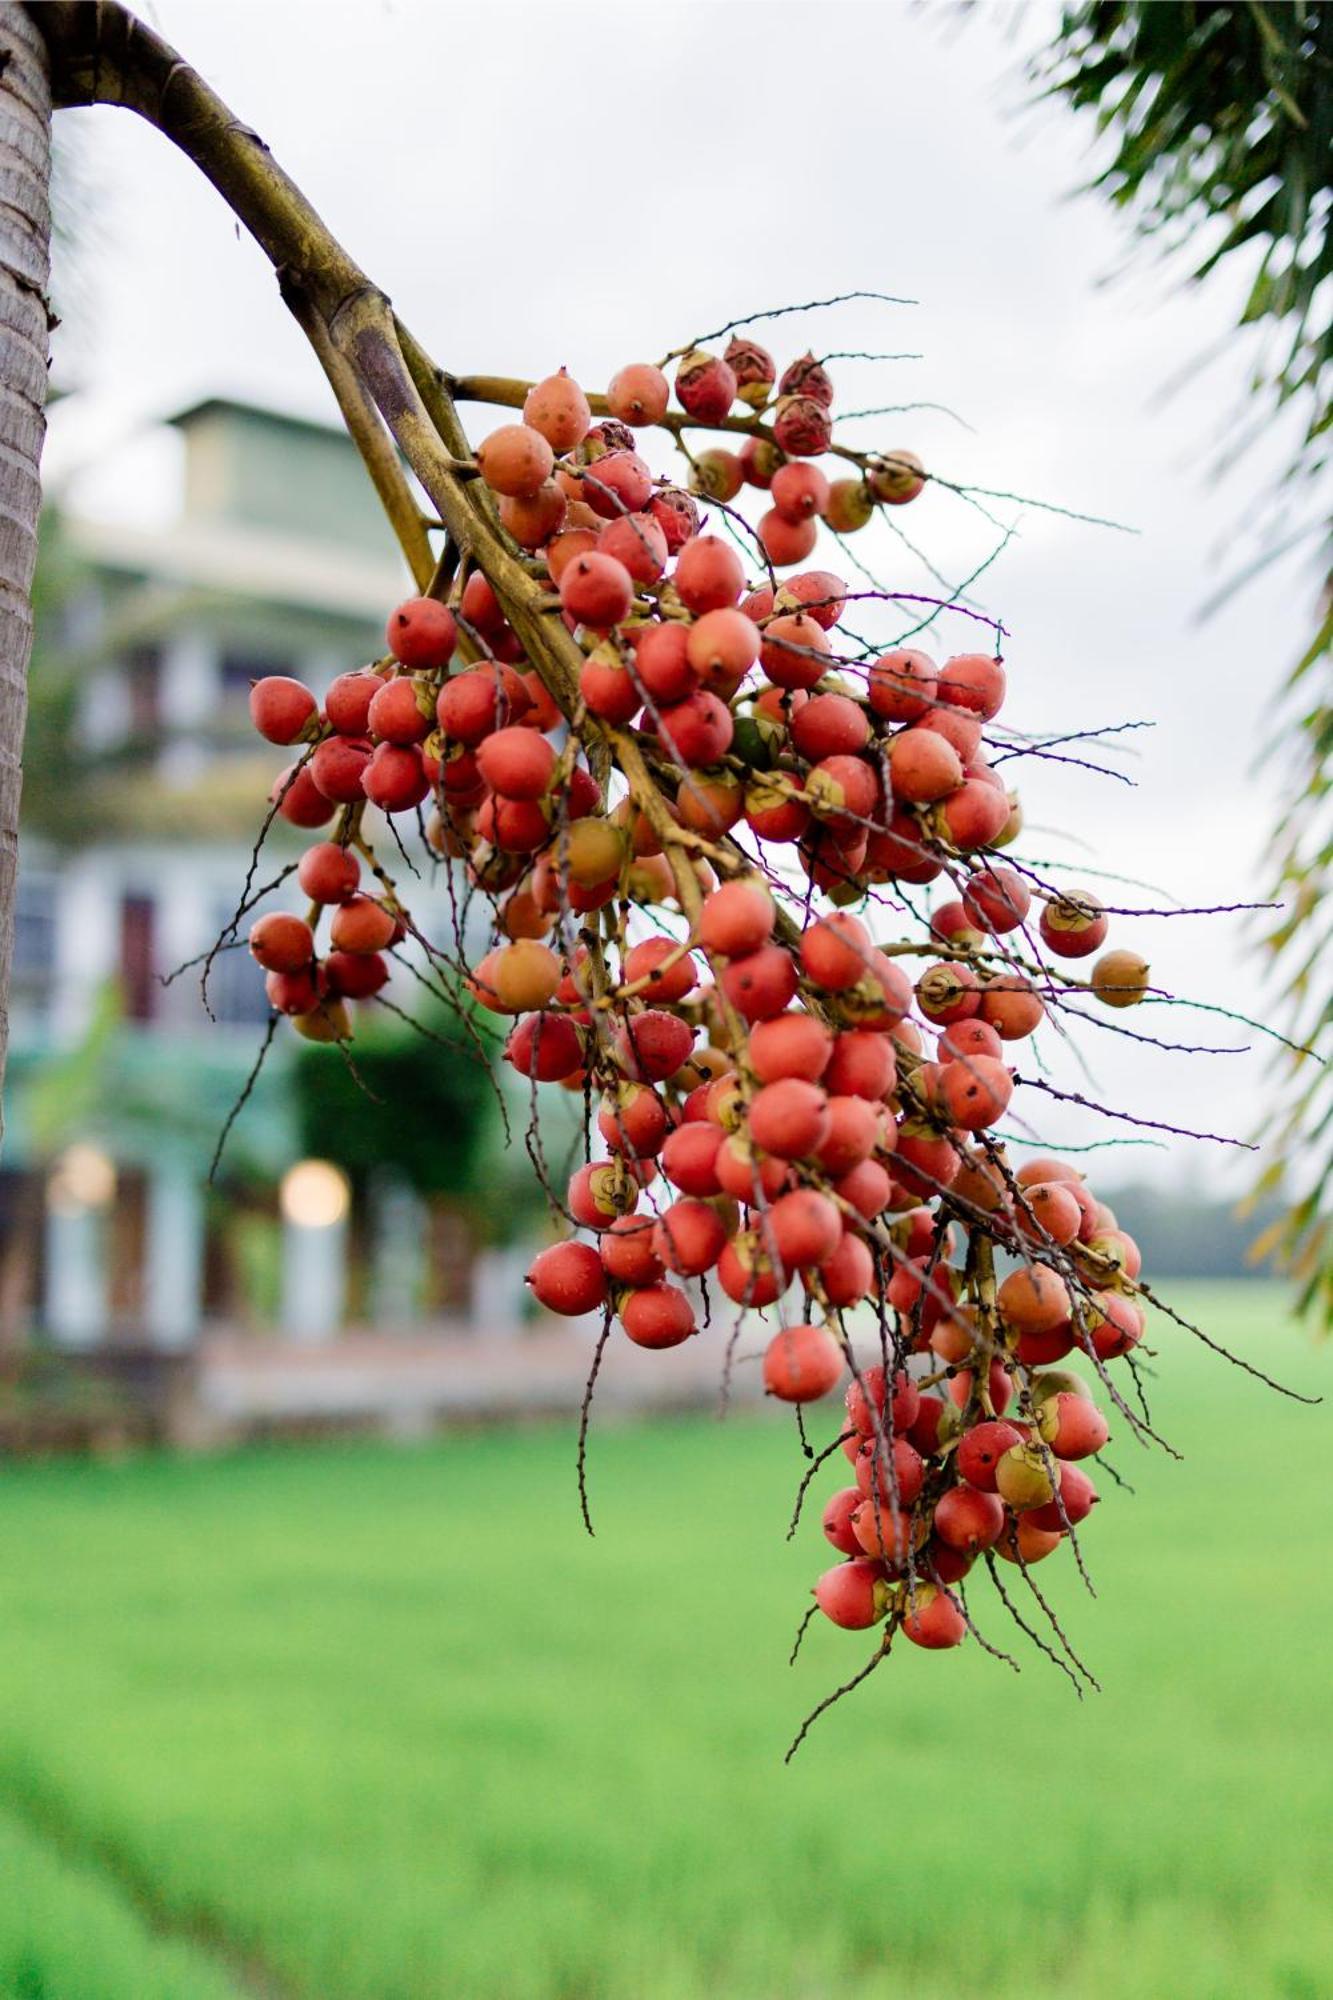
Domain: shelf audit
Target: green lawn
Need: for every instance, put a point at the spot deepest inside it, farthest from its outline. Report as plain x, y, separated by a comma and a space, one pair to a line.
375, 1724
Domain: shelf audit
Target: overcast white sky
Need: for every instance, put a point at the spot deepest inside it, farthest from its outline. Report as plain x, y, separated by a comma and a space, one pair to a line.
595, 183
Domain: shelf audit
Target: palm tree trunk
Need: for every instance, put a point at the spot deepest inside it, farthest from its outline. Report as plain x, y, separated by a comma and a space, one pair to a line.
25, 243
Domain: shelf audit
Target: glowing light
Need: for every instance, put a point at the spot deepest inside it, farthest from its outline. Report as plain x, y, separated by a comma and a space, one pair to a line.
314, 1194
82, 1178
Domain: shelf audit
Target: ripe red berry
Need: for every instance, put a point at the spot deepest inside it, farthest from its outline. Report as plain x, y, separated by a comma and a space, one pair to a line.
473, 705
981, 1451
835, 952
627, 1253
652, 1046
1076, 1500
736, 918
1034, 1299
861, 1064
855, 1129
421, 635
973, 681
400, 711
328, 873
746, 1272
282, 943
795, 651
789, 1118
661, 662
668, 972
848, 1276
722, 646
689, 1236
997, 900
533, 518
362, 924
923, 767
867, 1395
568, 1278
1072, 925
799, 492
708, 574
803, 1227
299, 800
1049, 1213
934, 1621
634, 1120
395, 779
697, 731
609, 690
1011, 1007
974, 1091
355, 975
854, 1595
295, 992
597, 591
1072, 1425
689, 1157
790, 1045
599, 1192
802, 1363
618, 484
968, 1519
817, 591
282, 709
785, 542
975, 815
558, 408
657, 1316
517, 763
638, 394
762, 984
837, 1520
829, 725
545, 1047
515, 460
867, 1188
337, 766
886, 1532
748, 1175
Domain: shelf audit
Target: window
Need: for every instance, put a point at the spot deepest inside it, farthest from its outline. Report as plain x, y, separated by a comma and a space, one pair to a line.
34, 938
235, 983
138, 983
143, 685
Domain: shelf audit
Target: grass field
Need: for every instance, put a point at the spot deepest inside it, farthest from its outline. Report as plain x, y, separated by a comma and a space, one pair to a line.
373, 1724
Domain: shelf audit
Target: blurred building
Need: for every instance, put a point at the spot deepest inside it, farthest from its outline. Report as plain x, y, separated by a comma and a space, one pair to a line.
144, 791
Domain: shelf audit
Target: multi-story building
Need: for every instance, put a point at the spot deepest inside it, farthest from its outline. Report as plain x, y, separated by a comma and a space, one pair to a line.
139, 831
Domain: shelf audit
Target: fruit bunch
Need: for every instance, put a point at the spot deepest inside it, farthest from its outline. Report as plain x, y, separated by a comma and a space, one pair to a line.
697, 808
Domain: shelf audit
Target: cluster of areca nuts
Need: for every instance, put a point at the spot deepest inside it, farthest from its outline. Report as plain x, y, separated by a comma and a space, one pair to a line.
671, 862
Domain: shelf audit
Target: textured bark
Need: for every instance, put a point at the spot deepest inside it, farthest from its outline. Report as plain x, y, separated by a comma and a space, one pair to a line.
25, 236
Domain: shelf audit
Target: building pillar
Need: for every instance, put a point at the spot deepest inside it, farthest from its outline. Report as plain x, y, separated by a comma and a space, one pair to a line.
314, 1279
499, 1296
173, 1277
398, 1259
76, 1289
